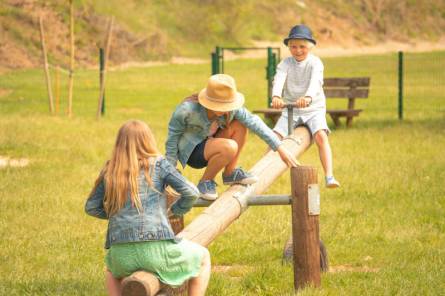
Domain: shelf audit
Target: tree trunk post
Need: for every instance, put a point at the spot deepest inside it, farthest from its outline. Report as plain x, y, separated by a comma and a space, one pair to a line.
305, 227
71, 73
46, 67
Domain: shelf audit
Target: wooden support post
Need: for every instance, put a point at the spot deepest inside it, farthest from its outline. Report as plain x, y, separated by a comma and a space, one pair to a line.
71, 73
46, 67
305, 228
230, 205
107, 54
57, 89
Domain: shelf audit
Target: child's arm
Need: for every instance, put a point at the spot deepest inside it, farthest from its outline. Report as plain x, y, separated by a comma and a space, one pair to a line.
278, 85
95, 202
255, 124
316, 82
176, 128
189, 193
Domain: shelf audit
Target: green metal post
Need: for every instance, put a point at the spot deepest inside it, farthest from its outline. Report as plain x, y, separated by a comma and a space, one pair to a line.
400, 85
214, 63
101, 76
218, 59
269, 75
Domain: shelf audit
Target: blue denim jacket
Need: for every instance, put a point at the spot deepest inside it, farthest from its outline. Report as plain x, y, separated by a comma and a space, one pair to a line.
190, 125
127, 225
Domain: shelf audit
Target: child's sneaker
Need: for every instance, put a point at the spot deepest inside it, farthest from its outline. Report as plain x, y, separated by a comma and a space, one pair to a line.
331, 182
239, 176
207, 188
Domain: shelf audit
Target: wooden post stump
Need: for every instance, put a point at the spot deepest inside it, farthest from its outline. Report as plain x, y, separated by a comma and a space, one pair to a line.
305, 227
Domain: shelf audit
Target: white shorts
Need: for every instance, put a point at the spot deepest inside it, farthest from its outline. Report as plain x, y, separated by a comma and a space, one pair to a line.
314, 124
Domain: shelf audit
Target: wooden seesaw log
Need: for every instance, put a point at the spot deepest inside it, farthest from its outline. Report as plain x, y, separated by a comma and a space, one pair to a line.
223, 211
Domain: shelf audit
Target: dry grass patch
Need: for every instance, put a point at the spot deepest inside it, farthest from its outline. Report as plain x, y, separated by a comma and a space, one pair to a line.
4, 92
12, 162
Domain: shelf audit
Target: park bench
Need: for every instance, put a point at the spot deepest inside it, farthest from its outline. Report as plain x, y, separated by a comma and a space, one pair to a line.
335, 88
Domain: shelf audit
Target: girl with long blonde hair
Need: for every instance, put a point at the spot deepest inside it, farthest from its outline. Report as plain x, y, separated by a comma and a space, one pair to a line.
129, 192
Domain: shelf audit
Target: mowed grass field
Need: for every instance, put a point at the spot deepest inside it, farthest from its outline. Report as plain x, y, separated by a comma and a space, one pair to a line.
384, 229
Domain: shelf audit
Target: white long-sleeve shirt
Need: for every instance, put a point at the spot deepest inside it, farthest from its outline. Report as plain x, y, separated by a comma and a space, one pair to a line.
298, 79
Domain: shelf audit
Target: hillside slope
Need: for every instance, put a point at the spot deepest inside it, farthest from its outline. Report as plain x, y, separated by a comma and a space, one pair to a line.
157, 30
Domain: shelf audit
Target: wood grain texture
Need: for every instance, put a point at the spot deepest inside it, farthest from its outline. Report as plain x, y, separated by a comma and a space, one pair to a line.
305, 230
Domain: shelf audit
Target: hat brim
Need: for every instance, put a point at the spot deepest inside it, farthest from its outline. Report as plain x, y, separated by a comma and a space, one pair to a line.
218, 106
297, 36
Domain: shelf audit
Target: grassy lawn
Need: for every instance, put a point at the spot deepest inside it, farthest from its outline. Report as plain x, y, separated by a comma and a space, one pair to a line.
384, 229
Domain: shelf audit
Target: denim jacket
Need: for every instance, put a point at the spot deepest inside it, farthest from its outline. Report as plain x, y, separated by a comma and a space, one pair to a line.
127, 225
190, 125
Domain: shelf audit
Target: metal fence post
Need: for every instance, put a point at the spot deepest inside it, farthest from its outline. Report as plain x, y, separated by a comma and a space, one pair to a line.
269, 75
214, 63
400, 85
101, 76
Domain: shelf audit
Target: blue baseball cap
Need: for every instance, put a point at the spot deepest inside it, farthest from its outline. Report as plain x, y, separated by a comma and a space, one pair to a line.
300, 32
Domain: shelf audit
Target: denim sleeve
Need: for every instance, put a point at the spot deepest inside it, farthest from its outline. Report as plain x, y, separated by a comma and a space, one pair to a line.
188, 192
95, 202
256, 125
176, 128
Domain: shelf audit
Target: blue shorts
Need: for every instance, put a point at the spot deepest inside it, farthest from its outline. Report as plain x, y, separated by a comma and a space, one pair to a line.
196, 159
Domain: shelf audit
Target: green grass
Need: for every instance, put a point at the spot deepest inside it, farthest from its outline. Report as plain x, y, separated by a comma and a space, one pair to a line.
387, 218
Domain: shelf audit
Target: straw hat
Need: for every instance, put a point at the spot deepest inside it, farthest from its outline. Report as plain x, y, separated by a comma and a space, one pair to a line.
221, 94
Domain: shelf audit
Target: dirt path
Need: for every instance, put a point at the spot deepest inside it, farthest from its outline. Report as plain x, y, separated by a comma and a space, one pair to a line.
321, 50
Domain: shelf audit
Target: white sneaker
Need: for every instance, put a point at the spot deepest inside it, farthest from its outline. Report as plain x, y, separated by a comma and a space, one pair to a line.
331, 182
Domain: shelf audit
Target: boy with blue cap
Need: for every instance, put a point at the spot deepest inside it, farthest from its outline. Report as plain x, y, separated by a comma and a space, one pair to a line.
299, 80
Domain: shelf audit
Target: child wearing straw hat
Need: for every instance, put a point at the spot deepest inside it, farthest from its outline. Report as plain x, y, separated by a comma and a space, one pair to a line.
208, 130
299, 80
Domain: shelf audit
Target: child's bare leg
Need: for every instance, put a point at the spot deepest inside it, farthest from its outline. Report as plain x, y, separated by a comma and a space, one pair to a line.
324, 150
198, 285
112, 284
238, 133
218, 152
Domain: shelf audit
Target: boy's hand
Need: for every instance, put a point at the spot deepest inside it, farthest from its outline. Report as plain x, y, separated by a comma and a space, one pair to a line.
277, 103
303, 102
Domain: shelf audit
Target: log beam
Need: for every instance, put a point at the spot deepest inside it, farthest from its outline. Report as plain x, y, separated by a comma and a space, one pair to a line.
226, 209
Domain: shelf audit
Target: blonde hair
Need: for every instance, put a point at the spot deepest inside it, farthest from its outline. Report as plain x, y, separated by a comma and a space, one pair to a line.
134, 146
309, 44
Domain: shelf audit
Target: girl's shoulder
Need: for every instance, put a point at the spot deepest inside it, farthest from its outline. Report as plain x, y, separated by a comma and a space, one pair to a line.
161, 162
189, 104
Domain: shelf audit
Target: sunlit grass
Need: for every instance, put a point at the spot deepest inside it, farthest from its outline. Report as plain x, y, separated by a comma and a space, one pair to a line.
385, 224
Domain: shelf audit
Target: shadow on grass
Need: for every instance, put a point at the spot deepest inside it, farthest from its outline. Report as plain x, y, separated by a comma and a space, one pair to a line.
52, 287
435, 124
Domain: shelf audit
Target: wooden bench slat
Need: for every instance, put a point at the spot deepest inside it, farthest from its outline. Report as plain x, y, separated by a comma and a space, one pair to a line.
333, 93
347, 82
346, 112
269, 111
336, 88
339, 112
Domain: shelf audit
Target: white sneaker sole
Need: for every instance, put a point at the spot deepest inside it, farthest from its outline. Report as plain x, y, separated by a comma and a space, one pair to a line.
209, 197
333, 185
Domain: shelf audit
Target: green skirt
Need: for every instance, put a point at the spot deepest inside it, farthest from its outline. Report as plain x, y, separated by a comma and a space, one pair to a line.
172, 262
